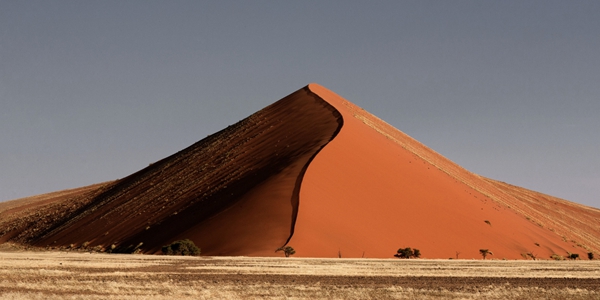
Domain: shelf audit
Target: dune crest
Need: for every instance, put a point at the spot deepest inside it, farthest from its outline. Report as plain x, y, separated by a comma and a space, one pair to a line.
315, 172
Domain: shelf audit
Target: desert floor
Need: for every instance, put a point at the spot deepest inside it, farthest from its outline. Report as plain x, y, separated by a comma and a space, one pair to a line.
76, 275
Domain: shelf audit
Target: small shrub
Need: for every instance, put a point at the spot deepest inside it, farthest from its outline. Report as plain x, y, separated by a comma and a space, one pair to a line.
485, 252
287, 251
112, 248
556, 257
181, 247
416, 253
488, 222
407, 253
590, 255
131, 249
137, 249
573, 256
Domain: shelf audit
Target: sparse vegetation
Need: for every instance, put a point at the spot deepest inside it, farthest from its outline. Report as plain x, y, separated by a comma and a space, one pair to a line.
590, 255
557, 257
573, 256
416, 253
131, 249
287, 251
528, 255
181, 247
485, 252
60, 275
407, 253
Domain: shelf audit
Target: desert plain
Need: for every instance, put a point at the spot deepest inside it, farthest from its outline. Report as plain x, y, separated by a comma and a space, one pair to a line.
84, 275
315, 172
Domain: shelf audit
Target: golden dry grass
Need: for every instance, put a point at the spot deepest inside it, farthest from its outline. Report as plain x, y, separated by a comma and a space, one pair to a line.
72, 275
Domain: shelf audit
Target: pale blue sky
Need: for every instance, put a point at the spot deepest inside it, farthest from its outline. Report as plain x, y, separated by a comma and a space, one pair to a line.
94, 91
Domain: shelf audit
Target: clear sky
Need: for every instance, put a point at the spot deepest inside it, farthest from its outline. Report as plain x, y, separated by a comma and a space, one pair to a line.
94, 91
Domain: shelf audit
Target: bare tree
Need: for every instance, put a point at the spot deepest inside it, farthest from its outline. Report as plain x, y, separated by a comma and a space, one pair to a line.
485, 252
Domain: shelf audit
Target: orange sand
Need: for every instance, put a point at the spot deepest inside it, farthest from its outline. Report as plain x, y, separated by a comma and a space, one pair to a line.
315, 172
373, 190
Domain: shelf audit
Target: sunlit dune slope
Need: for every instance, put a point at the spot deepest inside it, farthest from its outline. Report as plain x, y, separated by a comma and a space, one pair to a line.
315, 172
374, 189
234, 193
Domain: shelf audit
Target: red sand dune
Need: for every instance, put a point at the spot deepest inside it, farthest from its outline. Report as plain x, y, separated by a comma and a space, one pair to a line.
315, 172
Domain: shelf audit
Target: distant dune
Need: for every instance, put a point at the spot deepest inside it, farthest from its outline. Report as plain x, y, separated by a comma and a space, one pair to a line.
315, 172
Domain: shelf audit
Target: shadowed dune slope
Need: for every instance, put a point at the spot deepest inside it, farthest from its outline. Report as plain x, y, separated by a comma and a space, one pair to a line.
315, 172
233, 193
373, 189
25, 217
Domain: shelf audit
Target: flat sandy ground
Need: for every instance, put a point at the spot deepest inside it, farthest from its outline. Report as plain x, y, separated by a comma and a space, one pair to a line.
71, 275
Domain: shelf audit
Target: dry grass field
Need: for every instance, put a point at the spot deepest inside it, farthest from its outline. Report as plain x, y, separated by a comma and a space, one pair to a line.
77, 275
